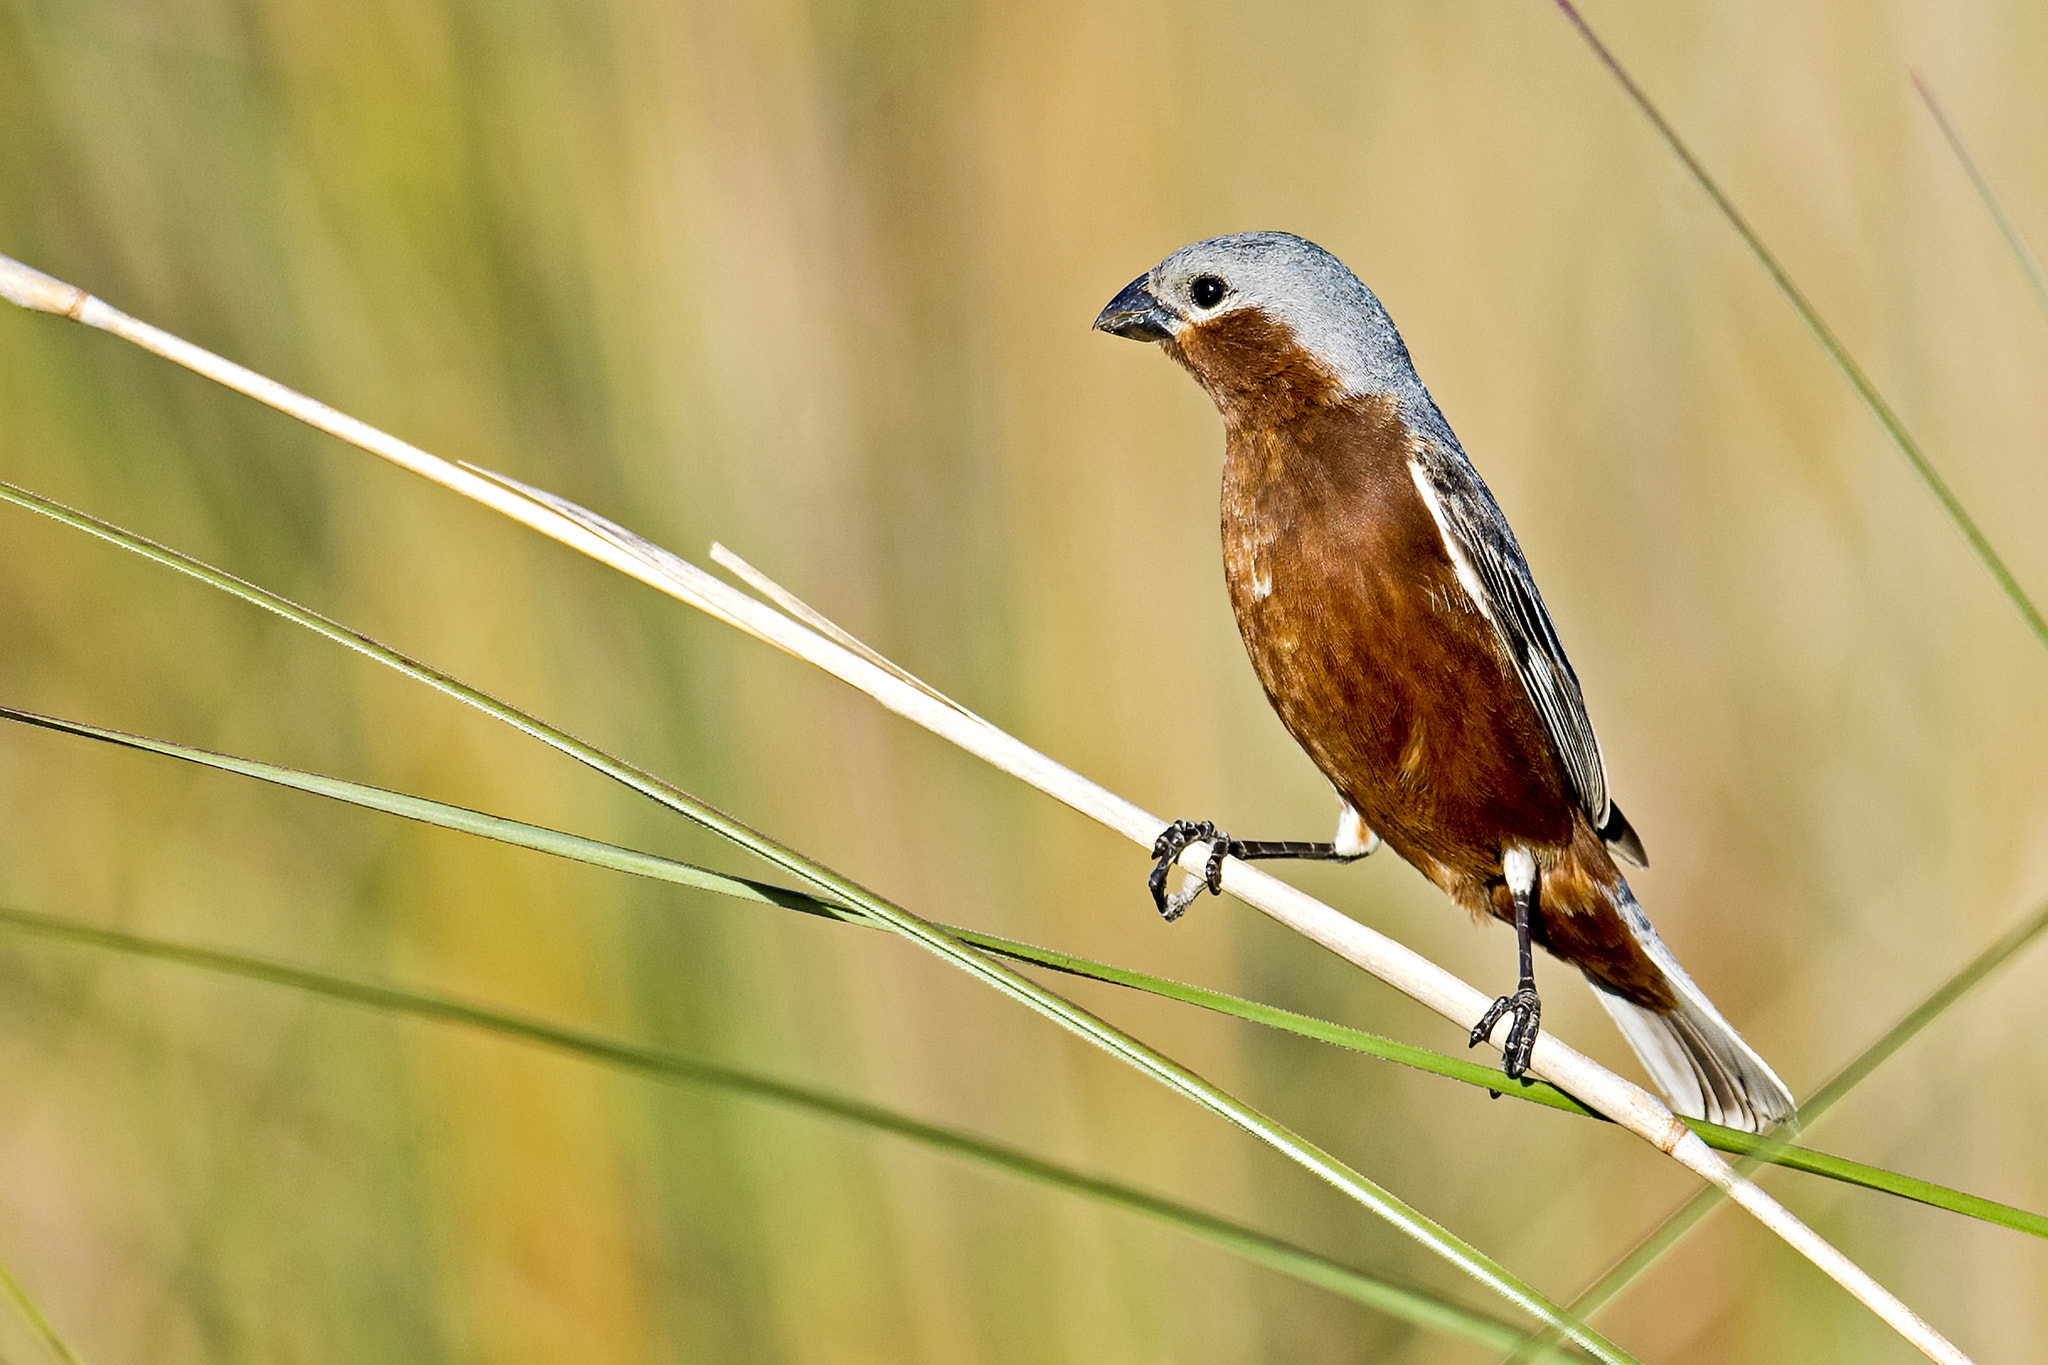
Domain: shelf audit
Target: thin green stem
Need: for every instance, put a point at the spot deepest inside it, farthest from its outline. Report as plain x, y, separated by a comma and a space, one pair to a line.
1320, 1163
49, 1335
1893, 425
1414, 1305
2030, 267
1688, 1215
2007, 946
600, 854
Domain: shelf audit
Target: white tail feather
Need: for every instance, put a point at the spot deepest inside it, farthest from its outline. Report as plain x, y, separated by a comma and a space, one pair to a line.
1694, 1055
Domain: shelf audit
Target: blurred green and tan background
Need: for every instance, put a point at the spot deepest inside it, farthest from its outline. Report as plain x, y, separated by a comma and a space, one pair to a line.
815, 280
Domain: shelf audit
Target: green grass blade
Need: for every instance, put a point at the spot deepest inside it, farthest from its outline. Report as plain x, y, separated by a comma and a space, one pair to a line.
1776, 1152
48, 1334
1417, 1306
611, 856
1688, 1215
2003, 950
439, 813
601, 854
1312, 1158
1893, 426
2029, 267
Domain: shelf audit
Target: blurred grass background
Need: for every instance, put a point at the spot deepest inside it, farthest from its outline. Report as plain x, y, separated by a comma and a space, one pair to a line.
815, 280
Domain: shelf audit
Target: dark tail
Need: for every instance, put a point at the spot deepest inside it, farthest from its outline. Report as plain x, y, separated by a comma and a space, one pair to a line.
1695, 1056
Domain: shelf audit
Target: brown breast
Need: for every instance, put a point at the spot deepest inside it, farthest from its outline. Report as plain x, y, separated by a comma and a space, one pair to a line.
1375, 657
1378, 661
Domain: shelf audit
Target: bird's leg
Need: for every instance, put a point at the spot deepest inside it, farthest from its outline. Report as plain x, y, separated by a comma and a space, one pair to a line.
1250, 850
1524, 1004
1177, 836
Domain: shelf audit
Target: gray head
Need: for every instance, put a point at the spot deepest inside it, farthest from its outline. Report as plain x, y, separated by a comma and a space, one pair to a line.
1291, 281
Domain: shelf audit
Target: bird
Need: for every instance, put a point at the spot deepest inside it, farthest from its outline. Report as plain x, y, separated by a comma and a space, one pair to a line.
1395, 626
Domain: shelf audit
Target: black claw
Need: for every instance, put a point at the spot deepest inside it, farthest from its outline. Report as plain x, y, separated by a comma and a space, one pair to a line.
1173, 842
1527, 1010
1167, 849
1212, 875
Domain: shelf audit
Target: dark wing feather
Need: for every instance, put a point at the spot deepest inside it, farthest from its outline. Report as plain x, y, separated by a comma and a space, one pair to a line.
1491, 566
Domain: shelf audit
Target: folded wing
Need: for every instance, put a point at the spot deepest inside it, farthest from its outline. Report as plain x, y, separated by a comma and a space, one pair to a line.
1489, 564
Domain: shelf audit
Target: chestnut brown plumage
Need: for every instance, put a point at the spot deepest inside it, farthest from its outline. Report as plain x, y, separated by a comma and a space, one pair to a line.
1391, 617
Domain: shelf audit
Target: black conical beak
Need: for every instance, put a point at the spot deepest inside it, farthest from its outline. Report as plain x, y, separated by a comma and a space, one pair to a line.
1136, 314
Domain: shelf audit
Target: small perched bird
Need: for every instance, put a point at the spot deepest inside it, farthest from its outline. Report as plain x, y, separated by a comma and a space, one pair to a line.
1396, 628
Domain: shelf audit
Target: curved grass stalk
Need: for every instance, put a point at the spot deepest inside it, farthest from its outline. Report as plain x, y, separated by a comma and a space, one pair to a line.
1413, 1305
1689, 1215
2021, 253
1626, 1103
1682, 1220
52, 1341
1612, 1098
598, 853
1894, 426
1355, 1185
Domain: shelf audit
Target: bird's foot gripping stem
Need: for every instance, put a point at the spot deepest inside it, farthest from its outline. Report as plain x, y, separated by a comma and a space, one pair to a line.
1527, 1009
1168, 848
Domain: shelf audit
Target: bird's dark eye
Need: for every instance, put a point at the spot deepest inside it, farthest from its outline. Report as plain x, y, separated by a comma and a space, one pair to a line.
1207, 291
